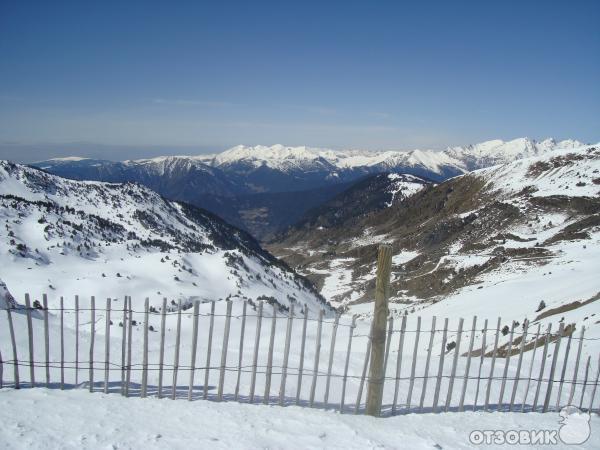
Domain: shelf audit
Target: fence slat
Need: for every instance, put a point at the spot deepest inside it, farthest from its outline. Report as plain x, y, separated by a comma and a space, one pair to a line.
46, 339
506, 363
454, 363
76, 340
493, 364
414, 364
347, 364
481, 358
564, 370
30, 334
1, 371
286, 355
387, 345
542, 366
561, 329
519, 363
585, 380
595, 386
468, 367
14, 347
330, 364
301, 363
267, 395
123, 345
399, 363
129, 335
145, 355
364, 372
256, 346
209, 349
426, 372
194, 347
576, 369
241, 352
224, 350
107, 346
92, 339
176, 355
438, 382
317, 356
537, 336
161, 356
62, 344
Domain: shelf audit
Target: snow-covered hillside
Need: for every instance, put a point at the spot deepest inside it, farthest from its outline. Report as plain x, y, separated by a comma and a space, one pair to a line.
526, 231
65, 238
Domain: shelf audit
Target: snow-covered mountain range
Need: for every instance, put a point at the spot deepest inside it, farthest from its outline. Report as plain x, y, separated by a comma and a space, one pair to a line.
524, 231
253, 187
70, 237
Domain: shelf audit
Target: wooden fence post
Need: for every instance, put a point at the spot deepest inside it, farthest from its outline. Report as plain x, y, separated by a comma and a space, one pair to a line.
62, 344
317, 356
224, 350
14, 347
348, 353
330, 364
256, 346
161, 357
301, 363
382, 292
241, 351
399, 363
30, 334
194, 346
145, 355
176, 355
208, 352
46, 339
426, 372
107, 346
267, 394
286, 355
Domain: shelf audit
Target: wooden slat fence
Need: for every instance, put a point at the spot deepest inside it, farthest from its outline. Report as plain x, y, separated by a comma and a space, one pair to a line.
316, 360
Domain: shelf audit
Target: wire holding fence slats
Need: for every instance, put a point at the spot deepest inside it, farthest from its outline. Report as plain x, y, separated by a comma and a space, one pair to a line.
562, 382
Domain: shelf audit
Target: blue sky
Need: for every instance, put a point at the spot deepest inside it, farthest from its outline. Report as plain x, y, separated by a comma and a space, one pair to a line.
130, 79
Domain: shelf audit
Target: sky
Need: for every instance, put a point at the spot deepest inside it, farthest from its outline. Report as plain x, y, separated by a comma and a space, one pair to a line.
125, 79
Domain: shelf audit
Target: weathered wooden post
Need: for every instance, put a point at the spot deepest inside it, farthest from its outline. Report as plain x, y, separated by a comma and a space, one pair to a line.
376, 371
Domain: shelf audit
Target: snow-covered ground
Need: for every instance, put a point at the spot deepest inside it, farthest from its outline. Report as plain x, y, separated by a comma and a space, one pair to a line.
49, 419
